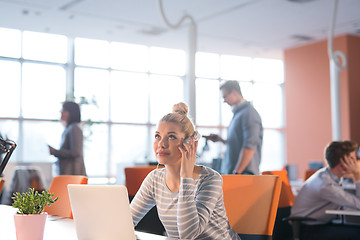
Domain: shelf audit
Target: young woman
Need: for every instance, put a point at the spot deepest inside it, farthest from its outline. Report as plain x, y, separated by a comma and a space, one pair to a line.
188, 197
70, 155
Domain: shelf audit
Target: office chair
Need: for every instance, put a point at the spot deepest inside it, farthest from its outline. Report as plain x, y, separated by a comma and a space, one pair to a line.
296, 225
283, 229
287, 196
251, 203
58, 186
2, 182
309, 173
134, 176
286, 227
23, 178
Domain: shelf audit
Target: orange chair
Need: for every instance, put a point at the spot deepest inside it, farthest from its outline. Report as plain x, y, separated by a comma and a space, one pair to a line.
134, 176
287, 197
251, 202
283, 229
309, 173
2, 181
58, 186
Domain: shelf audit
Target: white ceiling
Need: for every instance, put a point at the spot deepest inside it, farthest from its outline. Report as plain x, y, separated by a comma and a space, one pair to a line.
262, 28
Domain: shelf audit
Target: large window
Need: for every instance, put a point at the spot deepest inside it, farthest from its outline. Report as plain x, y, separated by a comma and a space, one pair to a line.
127, 88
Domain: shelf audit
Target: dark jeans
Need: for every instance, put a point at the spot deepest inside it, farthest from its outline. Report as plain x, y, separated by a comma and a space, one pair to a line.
330, 232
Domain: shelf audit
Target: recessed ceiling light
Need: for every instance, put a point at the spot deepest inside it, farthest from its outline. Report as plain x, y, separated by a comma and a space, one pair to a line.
152, 31
302, 37
300, 1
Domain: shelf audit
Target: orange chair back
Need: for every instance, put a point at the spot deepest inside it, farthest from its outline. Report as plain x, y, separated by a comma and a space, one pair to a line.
287, 196
251, 202
309, 173
2, 182
134, 176
58, 186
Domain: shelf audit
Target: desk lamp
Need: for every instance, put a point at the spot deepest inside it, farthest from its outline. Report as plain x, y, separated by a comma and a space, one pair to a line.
6, 146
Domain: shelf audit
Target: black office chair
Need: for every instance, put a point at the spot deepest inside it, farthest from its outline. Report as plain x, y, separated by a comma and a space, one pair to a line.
296, 223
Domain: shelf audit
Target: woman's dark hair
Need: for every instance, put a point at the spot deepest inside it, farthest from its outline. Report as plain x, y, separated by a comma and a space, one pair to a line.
74, 112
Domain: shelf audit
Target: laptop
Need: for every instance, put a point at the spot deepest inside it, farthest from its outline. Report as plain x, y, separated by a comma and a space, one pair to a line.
101, 212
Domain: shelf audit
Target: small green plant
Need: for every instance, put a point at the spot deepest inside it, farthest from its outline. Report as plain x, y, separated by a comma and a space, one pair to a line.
32, 202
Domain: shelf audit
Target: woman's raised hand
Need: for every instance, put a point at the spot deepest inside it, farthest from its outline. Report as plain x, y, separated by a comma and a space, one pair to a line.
188, 157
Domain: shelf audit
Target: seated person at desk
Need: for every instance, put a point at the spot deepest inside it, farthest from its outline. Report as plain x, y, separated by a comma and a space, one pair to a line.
188, 197
323, 191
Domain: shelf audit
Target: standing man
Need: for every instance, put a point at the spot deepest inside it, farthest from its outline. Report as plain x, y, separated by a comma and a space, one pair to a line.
245, 134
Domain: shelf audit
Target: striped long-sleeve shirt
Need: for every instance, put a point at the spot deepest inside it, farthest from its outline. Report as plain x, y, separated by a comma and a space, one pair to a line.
196, 211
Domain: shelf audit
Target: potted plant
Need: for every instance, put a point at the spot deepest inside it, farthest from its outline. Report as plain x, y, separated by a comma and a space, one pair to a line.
30, 217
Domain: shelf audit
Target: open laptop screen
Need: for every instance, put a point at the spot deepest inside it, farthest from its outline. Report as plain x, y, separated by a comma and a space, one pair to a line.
101, 212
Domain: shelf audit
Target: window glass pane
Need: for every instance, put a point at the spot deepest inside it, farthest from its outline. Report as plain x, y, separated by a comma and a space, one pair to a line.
236, 67
208, 151
167, 61
9, 129
207, 65
226, 113
128, 145
150, 153
269, 103
44, 47
207, 102
268, 70
93, 84
273, 151
129, 95
96, 149
165, 91
90, 52
43, 90
37, 136
10, 88
247, 90
10, 43
129, 57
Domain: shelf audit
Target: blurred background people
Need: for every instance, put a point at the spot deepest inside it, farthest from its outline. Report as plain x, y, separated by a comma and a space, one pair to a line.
70, 159
245, 134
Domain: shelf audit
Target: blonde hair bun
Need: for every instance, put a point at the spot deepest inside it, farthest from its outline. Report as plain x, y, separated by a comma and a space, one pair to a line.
180, 108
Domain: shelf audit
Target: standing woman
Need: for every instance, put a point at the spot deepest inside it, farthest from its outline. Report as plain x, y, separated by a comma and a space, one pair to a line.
188, 197
70, 155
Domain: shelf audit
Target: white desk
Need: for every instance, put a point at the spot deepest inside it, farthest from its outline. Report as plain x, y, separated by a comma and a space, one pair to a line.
55, 228
344, 212
351, 217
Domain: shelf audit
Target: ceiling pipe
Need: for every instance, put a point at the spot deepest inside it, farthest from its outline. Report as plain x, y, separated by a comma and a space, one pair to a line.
336, 58
189, 83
